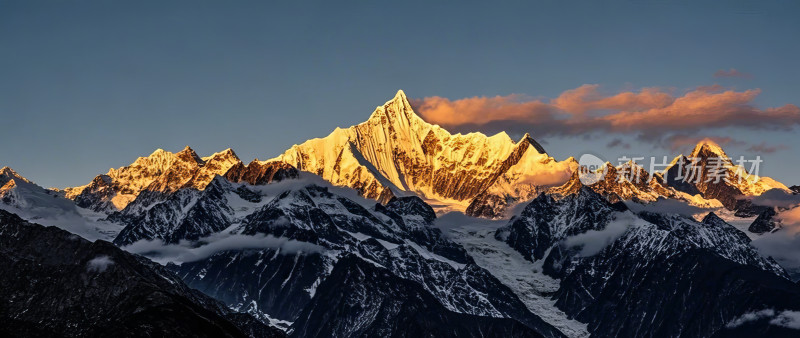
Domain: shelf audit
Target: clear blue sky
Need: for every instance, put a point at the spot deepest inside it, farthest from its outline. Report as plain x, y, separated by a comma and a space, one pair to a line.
89, 85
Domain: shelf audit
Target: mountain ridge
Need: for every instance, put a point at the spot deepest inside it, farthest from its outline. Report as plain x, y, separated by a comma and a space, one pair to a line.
396, 152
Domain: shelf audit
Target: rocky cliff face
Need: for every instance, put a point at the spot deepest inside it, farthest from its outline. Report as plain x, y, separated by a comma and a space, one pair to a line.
765, 222
370, 301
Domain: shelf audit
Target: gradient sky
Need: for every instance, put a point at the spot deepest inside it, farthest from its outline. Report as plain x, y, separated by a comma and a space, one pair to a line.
89, 85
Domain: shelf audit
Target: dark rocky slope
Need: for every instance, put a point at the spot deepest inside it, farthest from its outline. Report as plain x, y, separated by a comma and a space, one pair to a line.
53, 283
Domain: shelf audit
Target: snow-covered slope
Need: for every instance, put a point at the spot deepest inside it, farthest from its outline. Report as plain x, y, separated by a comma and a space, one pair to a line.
34, 203
522, 276
395, 153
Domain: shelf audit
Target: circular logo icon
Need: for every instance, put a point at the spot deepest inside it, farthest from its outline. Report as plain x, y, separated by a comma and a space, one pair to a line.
591, 169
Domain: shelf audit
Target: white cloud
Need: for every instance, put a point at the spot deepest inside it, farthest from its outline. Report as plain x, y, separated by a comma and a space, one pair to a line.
788, 319
668, 206
777, 198
751, 316
186, 251
99, 264
783, 245
593, 241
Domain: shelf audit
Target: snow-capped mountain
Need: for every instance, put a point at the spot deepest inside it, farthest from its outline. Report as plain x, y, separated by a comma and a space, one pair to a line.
347, 236
648, 274
395, 153
191, 212
277, 283
20, 193
631, 182
162, 172
34, 203
698, 172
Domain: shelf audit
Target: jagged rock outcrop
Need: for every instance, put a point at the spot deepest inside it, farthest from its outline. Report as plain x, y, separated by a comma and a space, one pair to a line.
765, 222
258, 173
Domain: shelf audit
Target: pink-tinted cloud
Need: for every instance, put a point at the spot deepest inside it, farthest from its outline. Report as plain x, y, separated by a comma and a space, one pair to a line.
651, 114
587, 98
702, 109
732, 73
790, 219
481, 110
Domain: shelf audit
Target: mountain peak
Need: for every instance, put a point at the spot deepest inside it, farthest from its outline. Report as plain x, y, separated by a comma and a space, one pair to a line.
158, 152
397, 112
530, 141
401, 95
8, 171
188, 154
711, 219
225, 155
707, 147
8, 174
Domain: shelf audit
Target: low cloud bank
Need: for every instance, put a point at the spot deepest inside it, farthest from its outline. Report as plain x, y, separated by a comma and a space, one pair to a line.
186, 251
668, 206
776, 198
593, 241
783, 245
788, 319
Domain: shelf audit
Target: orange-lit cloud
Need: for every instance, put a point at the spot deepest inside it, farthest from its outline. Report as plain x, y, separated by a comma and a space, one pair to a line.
702, 109
480, 110
650, 114
790, 219
587, 98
